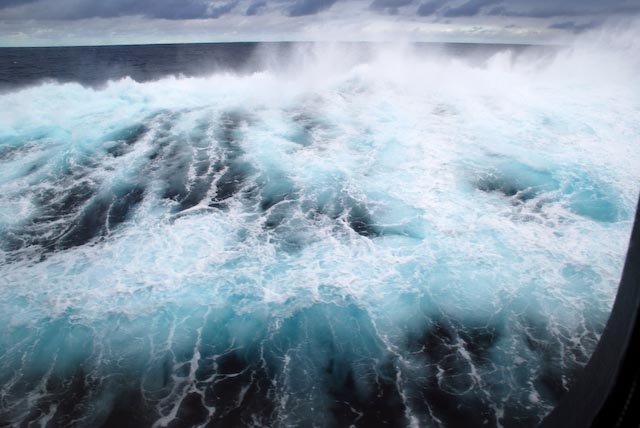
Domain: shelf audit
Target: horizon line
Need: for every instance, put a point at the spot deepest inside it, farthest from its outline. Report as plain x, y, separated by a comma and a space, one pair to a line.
496, 43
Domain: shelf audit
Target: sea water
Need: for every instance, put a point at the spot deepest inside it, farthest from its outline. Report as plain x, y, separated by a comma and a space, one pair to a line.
312, 235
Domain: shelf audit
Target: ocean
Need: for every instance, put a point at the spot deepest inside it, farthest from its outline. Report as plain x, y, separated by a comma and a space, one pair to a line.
308, 234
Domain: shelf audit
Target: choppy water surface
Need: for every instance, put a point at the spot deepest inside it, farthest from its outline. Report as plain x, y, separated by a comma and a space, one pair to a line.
403, 238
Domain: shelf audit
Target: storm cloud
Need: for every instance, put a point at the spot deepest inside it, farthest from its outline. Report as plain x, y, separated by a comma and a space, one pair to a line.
255, 7
430, 7
309, 7
9, 3
82, 9
575, 27
52, 22
203, 9
552, 8
470, 8
389, 6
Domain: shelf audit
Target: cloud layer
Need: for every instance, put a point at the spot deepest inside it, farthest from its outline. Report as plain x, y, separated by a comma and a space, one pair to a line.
217, 20
203, 9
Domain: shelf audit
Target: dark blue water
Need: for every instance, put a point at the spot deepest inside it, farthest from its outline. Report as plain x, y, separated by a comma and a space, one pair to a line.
95, 65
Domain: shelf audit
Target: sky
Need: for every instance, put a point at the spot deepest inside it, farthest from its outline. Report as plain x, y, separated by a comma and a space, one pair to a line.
96, 22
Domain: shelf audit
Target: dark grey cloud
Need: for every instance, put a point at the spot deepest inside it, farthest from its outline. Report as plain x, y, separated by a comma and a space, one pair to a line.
576, 11
430, 8
256, 7
165, 9
10, 3
309, 7
536, 12
162, 9
470, 8
527, 8
566, 8
389, 6
575, 27
218, 11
